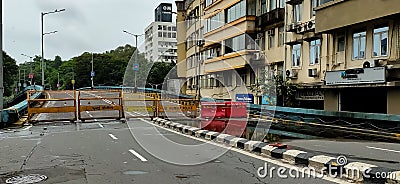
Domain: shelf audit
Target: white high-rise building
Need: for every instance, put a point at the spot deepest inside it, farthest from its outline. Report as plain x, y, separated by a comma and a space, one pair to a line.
160, 36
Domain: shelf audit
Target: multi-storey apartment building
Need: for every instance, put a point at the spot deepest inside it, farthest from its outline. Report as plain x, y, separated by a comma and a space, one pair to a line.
363, 55
160, 36
342, 56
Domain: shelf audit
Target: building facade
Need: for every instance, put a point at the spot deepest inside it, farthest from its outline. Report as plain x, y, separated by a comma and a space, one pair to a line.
161, 37
340, 61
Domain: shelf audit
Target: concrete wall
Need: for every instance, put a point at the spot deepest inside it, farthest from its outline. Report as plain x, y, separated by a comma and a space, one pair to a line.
360, 11
331, 102
393, 101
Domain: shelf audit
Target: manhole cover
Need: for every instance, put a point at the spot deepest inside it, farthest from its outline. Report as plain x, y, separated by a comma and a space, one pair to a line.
22, 179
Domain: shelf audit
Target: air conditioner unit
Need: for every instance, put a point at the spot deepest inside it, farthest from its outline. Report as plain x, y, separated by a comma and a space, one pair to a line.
310, 25
292, 73
300, 28
313, 72
200, 42
371, 64
291, 27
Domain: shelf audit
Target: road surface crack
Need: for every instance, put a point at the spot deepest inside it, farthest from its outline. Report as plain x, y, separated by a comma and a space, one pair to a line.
252, 173
29, 155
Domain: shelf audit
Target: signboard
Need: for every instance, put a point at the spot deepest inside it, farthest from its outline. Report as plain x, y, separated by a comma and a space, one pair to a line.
92, 74
135, 67
356, 76
248, 98
310, 95
31, 75
268, 100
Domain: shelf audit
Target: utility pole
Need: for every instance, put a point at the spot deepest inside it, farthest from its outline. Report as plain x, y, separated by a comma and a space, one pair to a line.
92, 73
135, 65
1, 58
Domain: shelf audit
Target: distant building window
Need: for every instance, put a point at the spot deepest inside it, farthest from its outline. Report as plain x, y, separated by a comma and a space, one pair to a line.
169, 28
235, 44
173, 35
381, 41
165, 35
173, 28
236, 11
340, 43
359, 43
315, 51
297, 12
227, 78
213, 22
160, 34
272, 5
296, 55
164, 28
159, 27
263, 6
271, 38
169, 35
281, 36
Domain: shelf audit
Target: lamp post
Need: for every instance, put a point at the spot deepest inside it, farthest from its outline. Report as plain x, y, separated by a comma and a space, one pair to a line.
136, 52
92, 73
30, 65
42, 16
1, 58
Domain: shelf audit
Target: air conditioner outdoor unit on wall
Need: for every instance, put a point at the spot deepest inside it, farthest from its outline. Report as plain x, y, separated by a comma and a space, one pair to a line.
300, 28
291, 73
371, 64
313, 72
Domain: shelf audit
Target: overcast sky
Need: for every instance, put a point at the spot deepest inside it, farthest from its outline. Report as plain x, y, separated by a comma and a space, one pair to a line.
85, 25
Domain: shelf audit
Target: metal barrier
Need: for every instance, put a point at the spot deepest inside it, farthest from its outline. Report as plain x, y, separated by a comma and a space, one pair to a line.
101, 100
56, 104
139, 105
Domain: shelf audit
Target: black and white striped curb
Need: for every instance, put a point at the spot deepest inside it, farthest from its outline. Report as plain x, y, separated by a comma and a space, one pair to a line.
354, 171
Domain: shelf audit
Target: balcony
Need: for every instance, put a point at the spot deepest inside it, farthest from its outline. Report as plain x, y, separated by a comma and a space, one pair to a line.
340, 13
272, 17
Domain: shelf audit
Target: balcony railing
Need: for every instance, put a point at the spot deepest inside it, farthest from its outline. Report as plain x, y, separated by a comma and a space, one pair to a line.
272, 17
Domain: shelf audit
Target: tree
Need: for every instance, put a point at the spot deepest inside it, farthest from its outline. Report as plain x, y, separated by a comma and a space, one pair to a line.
160, 71
10, 74
277, 90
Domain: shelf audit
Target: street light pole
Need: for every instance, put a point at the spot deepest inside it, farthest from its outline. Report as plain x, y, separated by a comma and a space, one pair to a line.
30, 66
1, 58
92, 73
41, 20
136, 51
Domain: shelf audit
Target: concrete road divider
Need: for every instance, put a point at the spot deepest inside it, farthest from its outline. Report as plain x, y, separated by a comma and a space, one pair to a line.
199, 133
267, 150
320, 162
211, 135
357, 167
234, 142
249, 146
221, 137
290, 156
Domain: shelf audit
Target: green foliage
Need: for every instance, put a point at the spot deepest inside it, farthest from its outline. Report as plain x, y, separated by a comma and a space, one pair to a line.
10, 74
282, 91
160, 71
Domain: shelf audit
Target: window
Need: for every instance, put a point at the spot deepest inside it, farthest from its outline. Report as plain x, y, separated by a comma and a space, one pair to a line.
314, 3
281, 3
213, 22
169, 35
359, 43
164, 28
160, 34
252, 77
297, 12
236, 11
296, 55
210, 2
173, 35
173, 28
261, 41
227, 78
165, 35
340, 43
235, 44
159, 27
271, 38
324, 1
315, 51
381, 41
240, 79
281, 36
272, 5
263, 6
251, 7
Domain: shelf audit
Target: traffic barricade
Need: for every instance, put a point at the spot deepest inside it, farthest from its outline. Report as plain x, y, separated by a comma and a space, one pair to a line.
236, 127
235, 110
213, 125
55, 106
100, 104
213, 110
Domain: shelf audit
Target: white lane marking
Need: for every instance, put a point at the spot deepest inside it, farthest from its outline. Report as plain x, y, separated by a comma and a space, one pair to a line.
259, 157
28, 127
113, 136
382, 149
90, 115
100, 125
87, 112
138, 155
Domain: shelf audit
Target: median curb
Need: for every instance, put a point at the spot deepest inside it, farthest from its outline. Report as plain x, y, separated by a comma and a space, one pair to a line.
324, 164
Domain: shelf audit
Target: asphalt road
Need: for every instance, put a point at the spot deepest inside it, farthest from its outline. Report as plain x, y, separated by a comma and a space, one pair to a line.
133, 152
